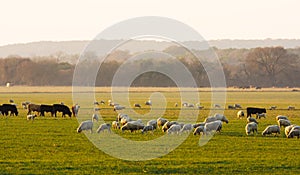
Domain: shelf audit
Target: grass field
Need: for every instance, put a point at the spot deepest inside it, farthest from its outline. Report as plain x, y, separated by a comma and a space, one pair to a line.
52, 146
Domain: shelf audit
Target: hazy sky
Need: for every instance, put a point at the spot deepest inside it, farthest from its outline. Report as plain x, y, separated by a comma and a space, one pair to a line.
56, 20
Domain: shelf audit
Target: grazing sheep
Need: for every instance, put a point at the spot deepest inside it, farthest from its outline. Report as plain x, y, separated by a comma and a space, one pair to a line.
260, 115
237, 106
200, 107
251, 127
283, 122
115, 125
125, 119
174, 129
161, 121
120, 116
132, 126
295, 132
198, 130
291, 107
176, 105
198, 124
212, 126
118, 107
251, 119
152, 123
95, 117
97, 109
168, 124
210, 119
231, 107
271, 129
75, 110
273, 107
185, 104
149, 103
186, 128
148, 128
281, 117
102, 102
190, 105
31, 116
217, 106
11, 101
221, 118
96, 103
85, 125
104, 126
240, 114
288, 129
137, 105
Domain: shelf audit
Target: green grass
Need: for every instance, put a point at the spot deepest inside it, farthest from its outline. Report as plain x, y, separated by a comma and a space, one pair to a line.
52, 146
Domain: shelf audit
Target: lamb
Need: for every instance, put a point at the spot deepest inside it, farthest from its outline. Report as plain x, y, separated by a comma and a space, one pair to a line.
132, 126
148, 128
31, 116
212, 126
260, 115
186, 128
198, 130
115, 125
281, 117
85, 125
168, 124
295, 132
271, 129
103, 127
152, 123
250, 119
161, 121
174, 129
251, 127
240, 114
283, 122
95, 117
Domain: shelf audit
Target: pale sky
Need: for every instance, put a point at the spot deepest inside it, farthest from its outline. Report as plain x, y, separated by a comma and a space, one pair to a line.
61, 20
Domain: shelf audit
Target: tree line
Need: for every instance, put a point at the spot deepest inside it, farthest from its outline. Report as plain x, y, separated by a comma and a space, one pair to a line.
263, 67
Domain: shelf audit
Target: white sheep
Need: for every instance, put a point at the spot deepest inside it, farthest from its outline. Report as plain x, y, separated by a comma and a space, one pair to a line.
125, 119
271, 129
149, 103
31, 116
132, 126
186, 128
260, 115
291, 107
240, 114
161, 121
273, 107
283, 122
251, 127
104, 126
288, 129
212, 126
148, 128
199, 129
120, 116
115, 125
174, 129
281, 117
85, 125
237, 106
152, 123
210, 119
95, 117
118, 107
168, 124
295, 132
198, 124
251, 119
216, 117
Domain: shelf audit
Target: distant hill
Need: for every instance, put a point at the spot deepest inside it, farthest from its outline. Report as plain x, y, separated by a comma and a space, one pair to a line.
45, 48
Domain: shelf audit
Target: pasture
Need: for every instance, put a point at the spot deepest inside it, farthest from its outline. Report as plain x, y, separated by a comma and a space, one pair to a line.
51, 145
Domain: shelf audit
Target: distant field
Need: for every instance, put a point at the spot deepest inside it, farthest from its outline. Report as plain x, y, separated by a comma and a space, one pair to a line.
52, 146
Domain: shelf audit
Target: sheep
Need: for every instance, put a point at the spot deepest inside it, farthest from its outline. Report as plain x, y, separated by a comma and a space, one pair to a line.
251, 127
212, 126
75, 110
168, 124
184, 104
186, 128
200, 107
288, 129
102, 102
271, 129
31, 116
237, 106
260, 115
120, 116
115, 125
210, 119
149, 103
97, 109
190, 105
125, 119
11, 101
295, 132
251, 119
283, 122
132, 126
174, 129
198, 124
118, 107
281, 117
240, 114
85, 125
273, 107
148, 128
96, 103
104, 126
161, 121
291, 107
199, 129
217, 106
137, 105
221, 118
176, 105
231, 107
152, 123
95, 117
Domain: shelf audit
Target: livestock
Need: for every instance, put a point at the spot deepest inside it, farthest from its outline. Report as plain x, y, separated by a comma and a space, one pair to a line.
221, 118
149, 103
115, 125
251, 127
252, 110
261, 115
136, 105
161, 121
190, 105
95, 117
291, 107
152, 123
240, 114
273, 107
271, 129
96, 103
85, 125
288, 129
6, 108
198, 130
33, 107
31, 116
148, 128
217, 106
104, 126
75, 110
61, 108
231, 107
120, 116
174, 129
212, 126
125, 119
176, 105
11, 101
295, 132
210, 119
198, 124
118, 107
168, 124
25, 104
186, 128
283, 122
237, 106
46, 108
184, 104
132, 126
281, 117
251, 119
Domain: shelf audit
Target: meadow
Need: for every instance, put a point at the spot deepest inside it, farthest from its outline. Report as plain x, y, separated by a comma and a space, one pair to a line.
51, 145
